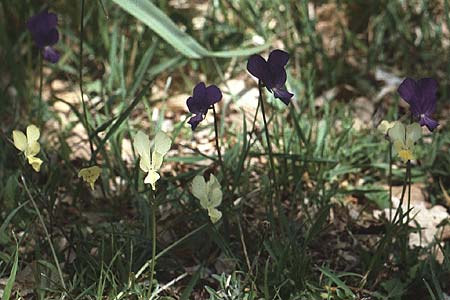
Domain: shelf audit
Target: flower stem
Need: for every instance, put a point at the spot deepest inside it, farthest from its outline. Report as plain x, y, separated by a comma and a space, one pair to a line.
80, 70
153, 224
216, 132
41, 85
390, 181
269, 148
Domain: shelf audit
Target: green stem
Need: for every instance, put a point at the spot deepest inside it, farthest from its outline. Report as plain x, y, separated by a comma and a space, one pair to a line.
41, 84
269, 148
80, 71
219, 154
153, 224
390, 181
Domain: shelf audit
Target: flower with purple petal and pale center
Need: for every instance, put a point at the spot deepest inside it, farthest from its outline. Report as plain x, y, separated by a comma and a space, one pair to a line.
45, 34
421, 97
202, 99
271, 73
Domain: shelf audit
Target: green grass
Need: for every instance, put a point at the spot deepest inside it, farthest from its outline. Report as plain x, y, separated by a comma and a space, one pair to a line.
103, 239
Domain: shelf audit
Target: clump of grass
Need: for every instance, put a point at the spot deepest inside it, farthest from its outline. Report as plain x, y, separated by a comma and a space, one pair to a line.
287, 180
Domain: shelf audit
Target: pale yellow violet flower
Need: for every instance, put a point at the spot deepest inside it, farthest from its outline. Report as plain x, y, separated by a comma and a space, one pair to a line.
29, 145
150, 164
403, 139
210, 195
90, 175
385, 126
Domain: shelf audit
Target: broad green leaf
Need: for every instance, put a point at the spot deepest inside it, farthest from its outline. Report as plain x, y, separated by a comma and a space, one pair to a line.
155, 19
148, 13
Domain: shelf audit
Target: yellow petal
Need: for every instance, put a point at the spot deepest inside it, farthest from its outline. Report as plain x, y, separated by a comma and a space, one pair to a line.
199, 190
32, 133
397, 132
406, 155
214, 215
141, 143
157, 160
414, 132
385, 126
90, 175
162, 143
20, 140
32, 149
152, 177
35, 162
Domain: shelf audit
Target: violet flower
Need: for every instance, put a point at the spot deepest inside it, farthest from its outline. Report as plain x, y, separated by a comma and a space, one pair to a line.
45, 34
421, 97
202, 99
271, 73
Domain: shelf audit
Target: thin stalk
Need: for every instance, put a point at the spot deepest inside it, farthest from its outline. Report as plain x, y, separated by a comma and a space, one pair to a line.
219, 154
390, 181
41, 85
269, 148
80, 71
153, 224
408, 168
47, 235
160, 254
222, 165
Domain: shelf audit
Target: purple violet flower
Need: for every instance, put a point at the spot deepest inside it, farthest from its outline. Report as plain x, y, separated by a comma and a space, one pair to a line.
202, 99
271, 73
421, 97
45, 34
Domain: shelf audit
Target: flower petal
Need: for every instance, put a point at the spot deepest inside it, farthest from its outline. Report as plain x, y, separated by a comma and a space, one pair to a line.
199, 93
20, 140
283, 95
428, 88
35, 162
408, 91
213, 94
50, 55
414, 132
195, 120
278, 58
397, 132
258, 67
277, 77
427, 121
192, 106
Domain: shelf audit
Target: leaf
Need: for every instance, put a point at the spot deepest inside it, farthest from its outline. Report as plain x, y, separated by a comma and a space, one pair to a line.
155, 19
12, 276
338, 282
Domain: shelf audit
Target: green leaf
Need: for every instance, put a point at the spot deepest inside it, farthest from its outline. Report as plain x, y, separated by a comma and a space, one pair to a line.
156, 20
12, 277
148, 13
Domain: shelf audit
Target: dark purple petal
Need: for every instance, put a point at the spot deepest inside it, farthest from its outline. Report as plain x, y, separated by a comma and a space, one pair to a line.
213, 94
426, 121
50, 55
42, 22
43, 28
199, 93
278, 58
428, 88
283, 95
258, 67
408, 90
277, 77
195, 120
193, 106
